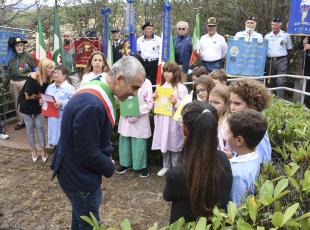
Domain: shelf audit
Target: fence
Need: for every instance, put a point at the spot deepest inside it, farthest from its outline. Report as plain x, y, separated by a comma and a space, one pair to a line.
8, 110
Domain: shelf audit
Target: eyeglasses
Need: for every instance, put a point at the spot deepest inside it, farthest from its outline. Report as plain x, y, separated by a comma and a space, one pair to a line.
181, 29
211, 25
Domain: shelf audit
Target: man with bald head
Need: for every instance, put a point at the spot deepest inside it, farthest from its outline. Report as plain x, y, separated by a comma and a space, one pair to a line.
182, 44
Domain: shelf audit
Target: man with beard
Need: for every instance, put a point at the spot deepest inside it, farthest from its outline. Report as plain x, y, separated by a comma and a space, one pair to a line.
249, 33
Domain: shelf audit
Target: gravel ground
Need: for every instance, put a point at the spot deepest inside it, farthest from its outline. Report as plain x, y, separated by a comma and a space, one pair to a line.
30, 200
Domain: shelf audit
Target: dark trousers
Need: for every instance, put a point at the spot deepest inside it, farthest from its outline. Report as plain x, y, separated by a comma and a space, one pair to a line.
82, 204
151, 70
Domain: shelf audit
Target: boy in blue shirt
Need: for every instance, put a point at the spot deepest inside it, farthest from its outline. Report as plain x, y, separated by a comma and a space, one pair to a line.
246, 129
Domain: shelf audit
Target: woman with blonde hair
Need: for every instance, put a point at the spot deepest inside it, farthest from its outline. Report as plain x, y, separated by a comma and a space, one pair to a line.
97, 64
30, 107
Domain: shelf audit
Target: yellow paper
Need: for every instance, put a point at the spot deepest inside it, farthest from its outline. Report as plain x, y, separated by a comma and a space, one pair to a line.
178, 114
162, 104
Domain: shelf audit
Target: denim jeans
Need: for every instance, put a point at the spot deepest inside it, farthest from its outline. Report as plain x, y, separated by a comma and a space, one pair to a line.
82, 204
210, 66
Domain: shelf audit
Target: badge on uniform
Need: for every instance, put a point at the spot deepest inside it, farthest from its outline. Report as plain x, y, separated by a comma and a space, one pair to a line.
282, 43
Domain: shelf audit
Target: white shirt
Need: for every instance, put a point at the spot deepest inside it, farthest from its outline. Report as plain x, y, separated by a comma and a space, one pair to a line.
88, 77
248, 37
149, 48
278, 44
212, 48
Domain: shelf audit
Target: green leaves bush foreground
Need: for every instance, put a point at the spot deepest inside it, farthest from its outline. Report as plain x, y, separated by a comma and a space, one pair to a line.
282, 198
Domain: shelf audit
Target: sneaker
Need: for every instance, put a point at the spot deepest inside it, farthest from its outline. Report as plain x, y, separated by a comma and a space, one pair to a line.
162, 172
122, 169
4, 136
144, 173
19, 126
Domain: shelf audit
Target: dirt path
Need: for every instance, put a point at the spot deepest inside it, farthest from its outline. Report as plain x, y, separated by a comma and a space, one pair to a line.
32, 202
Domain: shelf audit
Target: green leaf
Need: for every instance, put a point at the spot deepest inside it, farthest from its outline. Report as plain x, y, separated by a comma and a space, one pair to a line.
201, 224
88, 220
277, 219
252, 208
231, 211
291, 168
178, 224
244, 226
96, 223
290, 211
304, 216
305, 183
281, 185
266, 192
294, 183
260, 228
125, 225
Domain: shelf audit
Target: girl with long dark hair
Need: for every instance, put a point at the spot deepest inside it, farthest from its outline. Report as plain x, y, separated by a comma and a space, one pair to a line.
204, 179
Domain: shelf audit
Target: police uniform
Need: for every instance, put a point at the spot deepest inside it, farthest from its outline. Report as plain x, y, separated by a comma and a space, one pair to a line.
278, 46
212, 49
117, 46
149, 51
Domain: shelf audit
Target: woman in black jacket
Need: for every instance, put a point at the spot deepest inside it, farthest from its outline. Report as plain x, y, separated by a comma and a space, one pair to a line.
204, 179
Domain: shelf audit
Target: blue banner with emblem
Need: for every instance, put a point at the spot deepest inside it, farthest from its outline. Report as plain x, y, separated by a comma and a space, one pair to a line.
6, 53
130, 27
246, 58
166, 32
299, 22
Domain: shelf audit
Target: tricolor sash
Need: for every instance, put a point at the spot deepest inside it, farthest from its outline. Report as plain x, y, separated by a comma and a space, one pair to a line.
104, 93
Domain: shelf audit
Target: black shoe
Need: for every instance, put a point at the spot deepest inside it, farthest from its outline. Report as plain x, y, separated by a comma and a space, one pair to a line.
19, 126
122, 169
144, 173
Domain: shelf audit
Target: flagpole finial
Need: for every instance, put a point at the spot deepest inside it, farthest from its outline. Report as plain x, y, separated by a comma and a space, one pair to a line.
167, 5
130, 1
106, 10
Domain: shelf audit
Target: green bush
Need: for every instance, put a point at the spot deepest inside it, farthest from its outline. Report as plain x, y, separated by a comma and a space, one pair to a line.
282, 198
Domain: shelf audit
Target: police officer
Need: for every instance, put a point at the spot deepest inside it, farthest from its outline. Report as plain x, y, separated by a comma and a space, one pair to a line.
212, 47
148, 47
117, 44
279, 42
249, 33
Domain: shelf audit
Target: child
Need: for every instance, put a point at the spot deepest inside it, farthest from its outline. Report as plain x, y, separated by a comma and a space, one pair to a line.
219, 99
62, 92
202, 88
219, 77
204, 179
134, 132
245, 131
253, 95
167, 135
198, 71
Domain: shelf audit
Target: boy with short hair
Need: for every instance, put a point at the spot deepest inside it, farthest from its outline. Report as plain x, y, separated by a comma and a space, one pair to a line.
246, 129
219, 77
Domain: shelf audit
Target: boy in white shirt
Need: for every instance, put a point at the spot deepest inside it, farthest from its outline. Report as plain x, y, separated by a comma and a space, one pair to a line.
246, 129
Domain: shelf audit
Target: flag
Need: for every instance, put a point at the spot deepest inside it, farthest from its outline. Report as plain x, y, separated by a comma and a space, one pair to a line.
195, 39
40, 45
166, 48
58, 52
106, 36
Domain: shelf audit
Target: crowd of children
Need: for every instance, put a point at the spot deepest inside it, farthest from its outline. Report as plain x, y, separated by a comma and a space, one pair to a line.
211, 155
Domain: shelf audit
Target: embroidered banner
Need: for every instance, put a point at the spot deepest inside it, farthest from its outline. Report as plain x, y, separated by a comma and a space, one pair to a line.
84, 47
246, 58
299, 22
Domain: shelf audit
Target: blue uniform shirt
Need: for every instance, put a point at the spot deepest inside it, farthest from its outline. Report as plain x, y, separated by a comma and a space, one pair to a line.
245, 169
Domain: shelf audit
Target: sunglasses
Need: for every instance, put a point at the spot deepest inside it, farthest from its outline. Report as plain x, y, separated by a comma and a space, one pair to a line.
181, 29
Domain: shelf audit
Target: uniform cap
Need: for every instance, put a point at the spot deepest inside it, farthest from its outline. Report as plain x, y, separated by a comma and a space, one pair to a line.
147, 24
211, 21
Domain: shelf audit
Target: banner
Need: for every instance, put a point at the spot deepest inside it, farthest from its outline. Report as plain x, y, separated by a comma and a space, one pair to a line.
7, 53
299, 22
106, 41
84, 47
195, 39
130, 27
246, 58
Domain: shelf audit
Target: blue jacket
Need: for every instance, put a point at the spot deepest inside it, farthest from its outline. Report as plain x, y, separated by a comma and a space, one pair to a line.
84, 149
184, 48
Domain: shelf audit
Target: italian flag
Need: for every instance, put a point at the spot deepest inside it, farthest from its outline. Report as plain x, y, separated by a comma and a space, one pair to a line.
40, 45
160, 62
58, 52
195, 40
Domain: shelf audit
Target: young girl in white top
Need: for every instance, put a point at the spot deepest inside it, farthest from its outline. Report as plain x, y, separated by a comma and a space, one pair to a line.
97, 64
